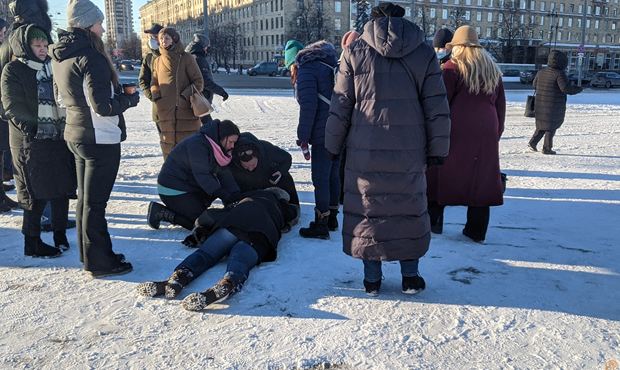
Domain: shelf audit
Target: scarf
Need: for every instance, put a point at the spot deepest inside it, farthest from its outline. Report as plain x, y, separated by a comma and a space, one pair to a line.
222, 159
51, 118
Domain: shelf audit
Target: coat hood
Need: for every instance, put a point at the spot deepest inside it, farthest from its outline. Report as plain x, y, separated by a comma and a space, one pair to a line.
392, 37
177, 48
247, 141
70, 43
31, 12
218, 130
19, 43
557, 60
196, 48
321, 51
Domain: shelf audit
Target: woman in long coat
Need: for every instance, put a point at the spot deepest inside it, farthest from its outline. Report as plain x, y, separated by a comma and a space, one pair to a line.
470, 175
174, 74
390, 107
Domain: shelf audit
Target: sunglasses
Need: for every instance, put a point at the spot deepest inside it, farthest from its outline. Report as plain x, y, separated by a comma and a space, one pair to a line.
246, 155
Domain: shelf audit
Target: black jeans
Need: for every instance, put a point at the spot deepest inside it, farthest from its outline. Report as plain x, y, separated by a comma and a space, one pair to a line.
325, 179
538, 134
96, 167
187, 207
31, 225
477, 219
2, 192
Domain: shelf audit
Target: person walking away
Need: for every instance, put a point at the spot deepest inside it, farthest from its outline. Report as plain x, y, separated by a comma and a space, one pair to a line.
88, 86
470, 175
198, 48
314, 86
195, 174
442, 37
146, 68
175, 78
394, 120
551, 86
42, 161
291, 49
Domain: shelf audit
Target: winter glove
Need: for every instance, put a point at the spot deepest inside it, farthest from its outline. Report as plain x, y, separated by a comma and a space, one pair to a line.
304, 149
225, 96
197, 237
275, 178
435, 161
128, 101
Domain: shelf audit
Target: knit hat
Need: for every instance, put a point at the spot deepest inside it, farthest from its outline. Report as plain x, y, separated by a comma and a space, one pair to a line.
348, 38
83, 14
226, 128
291, 49
35, 33
442, 37
464, 36
387, 10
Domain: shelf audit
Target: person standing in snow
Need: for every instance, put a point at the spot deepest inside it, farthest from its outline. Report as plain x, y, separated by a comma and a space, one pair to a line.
470, 175
146, 68
247, 233
314, 85
198, 48
42, 162
551, 86
390, 108
442, 37
291, 49
89, 87
175, 78
195, 174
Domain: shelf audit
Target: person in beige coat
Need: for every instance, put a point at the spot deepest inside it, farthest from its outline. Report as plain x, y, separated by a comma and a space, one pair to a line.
174, 73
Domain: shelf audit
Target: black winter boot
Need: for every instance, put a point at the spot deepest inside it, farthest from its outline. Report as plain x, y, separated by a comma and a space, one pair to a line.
60, 240
223, 289
318, 229
413, 284
158, 213
177, 281
372, 289
332, 220
35, 247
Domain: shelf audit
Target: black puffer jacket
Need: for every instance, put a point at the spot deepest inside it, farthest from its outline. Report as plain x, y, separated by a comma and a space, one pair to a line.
84, 81
552, 86
43, 168
144, 79
196, 48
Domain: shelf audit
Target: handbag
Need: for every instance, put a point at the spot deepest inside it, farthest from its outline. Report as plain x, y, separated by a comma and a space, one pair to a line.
200, 104
530, 106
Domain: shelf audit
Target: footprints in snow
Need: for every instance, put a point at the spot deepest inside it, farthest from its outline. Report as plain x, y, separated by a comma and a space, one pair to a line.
464, 275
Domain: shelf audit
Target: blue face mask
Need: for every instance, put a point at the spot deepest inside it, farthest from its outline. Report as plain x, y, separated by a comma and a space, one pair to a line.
441, 54
153, 44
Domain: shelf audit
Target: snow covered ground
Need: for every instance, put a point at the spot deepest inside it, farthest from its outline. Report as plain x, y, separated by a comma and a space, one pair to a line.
542, 292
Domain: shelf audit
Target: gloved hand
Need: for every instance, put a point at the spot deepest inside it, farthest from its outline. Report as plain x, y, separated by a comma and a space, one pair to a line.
225, 96
304, 149
435, 161
128, 101
275, 178
197, 237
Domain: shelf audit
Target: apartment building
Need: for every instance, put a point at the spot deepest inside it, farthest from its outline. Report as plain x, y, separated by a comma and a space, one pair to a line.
4, 10
119, 21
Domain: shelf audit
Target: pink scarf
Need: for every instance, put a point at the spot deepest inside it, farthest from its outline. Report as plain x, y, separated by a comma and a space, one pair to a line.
222, 159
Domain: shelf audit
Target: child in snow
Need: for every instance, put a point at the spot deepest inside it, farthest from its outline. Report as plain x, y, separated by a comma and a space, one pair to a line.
247, 233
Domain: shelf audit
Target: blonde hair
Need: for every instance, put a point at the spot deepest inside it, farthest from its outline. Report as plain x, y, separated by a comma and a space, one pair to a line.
477, 68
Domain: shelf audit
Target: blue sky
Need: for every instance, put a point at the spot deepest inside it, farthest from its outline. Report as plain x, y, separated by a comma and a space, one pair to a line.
60, 6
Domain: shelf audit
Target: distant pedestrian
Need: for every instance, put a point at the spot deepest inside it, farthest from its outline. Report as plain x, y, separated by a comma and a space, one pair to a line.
442, 37
146, 68
551, 86
470, 174
291, 49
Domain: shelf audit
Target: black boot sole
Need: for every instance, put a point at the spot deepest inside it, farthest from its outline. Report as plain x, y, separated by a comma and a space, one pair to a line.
121, 270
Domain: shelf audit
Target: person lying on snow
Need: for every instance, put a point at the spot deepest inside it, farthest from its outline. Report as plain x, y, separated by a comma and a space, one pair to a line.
247, 233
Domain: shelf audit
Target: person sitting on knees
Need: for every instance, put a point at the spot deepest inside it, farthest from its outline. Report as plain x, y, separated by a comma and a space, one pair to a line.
247, 233
195, 174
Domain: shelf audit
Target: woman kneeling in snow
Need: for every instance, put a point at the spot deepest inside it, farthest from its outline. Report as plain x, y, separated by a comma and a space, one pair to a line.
247, 232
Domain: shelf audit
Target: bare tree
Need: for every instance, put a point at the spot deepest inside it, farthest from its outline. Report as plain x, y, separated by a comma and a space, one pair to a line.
310, 22
514, 25
131, 47
457, 17
363, 14
424, 18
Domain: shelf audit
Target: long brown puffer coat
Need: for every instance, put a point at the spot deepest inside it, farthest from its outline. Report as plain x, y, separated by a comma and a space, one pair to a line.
174, 73
391, 124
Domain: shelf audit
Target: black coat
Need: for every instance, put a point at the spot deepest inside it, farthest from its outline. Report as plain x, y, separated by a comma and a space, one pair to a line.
43, 169
210, 87
271, 159
552, 86
144, 79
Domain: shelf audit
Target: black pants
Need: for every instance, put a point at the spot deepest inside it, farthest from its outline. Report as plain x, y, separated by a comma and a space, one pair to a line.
31, 225
538, 134
187, 207
2, 192
288, 184
477, 219
96, 167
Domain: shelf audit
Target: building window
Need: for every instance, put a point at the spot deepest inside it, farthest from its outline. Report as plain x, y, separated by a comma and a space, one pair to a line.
456, 2
587, 23
433, 12
589, 9
467, 2
596, 23
570, 22
613, 25
273, 40
407, 11
271, 23
560, 22
489, 33
490, 17
467, 15
337, 24
561, 7
444, 13
261, 24
533, 5
478, 30
542, 6
337, 6
597, 10
479, 2
559, 36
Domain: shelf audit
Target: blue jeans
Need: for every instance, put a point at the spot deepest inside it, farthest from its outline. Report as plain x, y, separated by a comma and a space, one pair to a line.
373, 273
325, 178
241, 256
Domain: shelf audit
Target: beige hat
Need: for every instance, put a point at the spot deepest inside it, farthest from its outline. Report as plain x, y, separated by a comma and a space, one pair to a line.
464, 36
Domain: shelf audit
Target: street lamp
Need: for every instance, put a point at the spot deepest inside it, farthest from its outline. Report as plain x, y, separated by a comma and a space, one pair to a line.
553, 35
205, 21
583, 42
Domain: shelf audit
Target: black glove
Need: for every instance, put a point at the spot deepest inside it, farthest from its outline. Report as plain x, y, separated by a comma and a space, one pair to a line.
128, 101
205, 220
435, 161
197, 237
225, 96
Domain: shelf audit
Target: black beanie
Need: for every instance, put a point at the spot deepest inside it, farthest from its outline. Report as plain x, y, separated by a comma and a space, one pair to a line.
442, 37
227, 128
387, 10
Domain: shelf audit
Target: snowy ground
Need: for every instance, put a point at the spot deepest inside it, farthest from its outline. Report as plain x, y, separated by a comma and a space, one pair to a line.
542, 292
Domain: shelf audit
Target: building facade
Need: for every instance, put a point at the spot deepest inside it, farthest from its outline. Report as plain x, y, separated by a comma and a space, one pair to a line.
119, 21
4, 10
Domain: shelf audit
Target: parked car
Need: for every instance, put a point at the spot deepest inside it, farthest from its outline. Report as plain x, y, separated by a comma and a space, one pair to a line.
527, 77
605, 79
264, 68
284, 72
125, 65
585, 78
511, 73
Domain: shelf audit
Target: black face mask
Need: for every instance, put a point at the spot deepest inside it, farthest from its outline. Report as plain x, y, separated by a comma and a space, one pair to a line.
246, 155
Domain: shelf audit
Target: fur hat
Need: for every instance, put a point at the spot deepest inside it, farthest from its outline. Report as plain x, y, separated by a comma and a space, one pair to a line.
83, 14
442, 37
387, 10
464, 36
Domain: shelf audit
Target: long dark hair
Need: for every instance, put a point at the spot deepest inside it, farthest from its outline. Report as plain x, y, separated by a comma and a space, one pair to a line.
97, 43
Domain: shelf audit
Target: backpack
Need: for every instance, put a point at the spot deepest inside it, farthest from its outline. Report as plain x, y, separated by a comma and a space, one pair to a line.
335, 70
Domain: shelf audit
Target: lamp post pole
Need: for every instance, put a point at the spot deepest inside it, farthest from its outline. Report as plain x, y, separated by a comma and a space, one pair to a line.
583, 42
205, 21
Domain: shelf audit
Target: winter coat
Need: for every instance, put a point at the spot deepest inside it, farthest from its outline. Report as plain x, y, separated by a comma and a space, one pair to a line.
552, 86
191, 167
174, 73
144, 79
470, 174
271, 159
94, 106
43, 168
391, 124
4, 126
210, 87
315, 75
